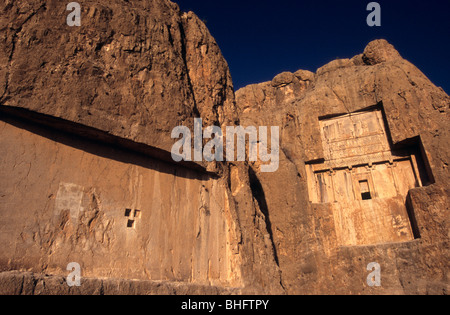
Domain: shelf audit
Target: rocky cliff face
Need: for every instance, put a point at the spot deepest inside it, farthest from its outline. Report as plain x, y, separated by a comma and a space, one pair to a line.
132, 72
107, 95
304, 233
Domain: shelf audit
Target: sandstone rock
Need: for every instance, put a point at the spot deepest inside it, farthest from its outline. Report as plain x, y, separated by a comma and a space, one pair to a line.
334, 65
208, 73
86, 120
283, 79
133, 70
304, 75
380, 51
306, 232
26, 283
90, 111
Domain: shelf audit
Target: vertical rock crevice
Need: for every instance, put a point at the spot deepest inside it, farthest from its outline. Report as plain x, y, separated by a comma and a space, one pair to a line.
259, 196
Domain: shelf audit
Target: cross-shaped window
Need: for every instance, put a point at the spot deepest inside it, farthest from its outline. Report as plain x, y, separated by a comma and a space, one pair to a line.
132, 215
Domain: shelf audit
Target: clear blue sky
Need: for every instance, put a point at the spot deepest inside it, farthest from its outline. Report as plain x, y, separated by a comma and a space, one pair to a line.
261, 38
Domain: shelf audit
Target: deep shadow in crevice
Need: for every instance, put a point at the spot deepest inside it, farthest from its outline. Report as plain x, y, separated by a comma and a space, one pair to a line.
414, 146
259, 195
101, 144
412, 217
410, 146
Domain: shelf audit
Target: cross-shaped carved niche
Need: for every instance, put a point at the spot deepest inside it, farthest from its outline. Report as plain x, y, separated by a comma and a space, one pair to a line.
132, 215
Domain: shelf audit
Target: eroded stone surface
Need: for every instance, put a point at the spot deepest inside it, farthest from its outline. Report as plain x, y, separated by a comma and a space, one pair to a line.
314, 233
134, 69
132, 72
82, 111
115, 213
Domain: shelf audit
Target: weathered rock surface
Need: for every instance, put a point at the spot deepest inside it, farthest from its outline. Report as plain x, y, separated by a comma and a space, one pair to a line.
304, 233
26, 283
87, 114
86, 117
134, 69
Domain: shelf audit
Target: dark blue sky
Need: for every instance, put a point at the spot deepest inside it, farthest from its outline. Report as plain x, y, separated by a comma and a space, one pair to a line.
261, 38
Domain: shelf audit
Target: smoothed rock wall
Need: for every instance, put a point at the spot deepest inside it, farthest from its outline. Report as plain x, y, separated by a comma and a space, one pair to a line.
118, 85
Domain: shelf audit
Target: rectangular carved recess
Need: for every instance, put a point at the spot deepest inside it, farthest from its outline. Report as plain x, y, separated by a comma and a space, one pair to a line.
364, 180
